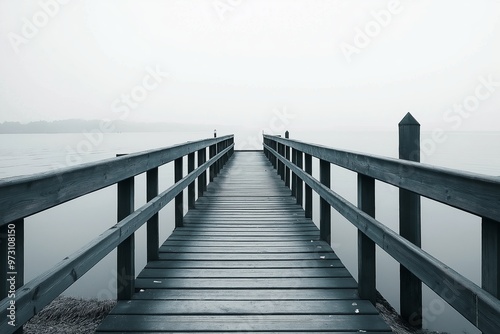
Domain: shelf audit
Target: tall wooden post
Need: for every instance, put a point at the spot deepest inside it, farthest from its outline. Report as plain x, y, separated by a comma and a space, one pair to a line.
308, 191
179, 199
490, 248
325, 210
126, 250
366, 247
152, 232
410, 223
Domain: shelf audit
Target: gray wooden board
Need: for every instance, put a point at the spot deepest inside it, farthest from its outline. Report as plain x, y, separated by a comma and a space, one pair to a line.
240, 264
248, 260
238, 307
246, 294
240, 323
244, 273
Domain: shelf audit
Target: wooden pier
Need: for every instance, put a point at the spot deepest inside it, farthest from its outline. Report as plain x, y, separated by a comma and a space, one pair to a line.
245, 256
246, 259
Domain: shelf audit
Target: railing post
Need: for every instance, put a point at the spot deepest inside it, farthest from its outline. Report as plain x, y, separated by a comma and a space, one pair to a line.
126, 250
490, 278
325, 217
300, 183
308, 191
366, 247
287, 156
280, 164
202, 179
409, 223
294, 177
191, 187
152, 226
212, 153
12, 249
179, 199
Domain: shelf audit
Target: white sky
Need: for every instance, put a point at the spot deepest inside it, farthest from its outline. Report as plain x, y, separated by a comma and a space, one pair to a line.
235, 67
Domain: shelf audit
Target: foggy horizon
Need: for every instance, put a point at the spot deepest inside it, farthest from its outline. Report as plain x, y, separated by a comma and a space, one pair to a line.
330, 64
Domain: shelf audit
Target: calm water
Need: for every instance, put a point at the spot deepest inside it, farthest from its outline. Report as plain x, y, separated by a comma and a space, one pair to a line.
448, 234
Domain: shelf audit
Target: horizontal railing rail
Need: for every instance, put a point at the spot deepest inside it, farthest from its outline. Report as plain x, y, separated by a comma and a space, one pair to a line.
27, 195
31, 297
475, 193
470, 192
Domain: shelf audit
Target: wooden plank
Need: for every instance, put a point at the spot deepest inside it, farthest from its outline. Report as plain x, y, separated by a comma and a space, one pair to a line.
242, 264
223, 323
247, 294
238, 307
244, 273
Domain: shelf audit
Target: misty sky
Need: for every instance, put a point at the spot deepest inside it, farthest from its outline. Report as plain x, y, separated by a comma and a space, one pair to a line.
253, 63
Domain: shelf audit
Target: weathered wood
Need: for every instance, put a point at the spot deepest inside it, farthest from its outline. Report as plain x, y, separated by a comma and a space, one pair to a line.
287, 157
202, 180
43, 289
191, 188
410, 223
475, 193
294, 177
490, 259
212, 152
476, 305
27, 195
126, 250
152, 230
201, 295
308, 191
242, 323
300, 184
324, 208
366, 247
179, 199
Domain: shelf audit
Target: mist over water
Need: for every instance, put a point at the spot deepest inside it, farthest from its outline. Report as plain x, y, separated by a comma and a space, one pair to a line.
448, 234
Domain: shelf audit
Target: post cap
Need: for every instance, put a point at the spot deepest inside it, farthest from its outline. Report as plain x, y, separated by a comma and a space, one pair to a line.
408, 120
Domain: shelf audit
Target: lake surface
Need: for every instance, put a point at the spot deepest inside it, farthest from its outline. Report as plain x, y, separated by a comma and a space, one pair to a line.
448, 234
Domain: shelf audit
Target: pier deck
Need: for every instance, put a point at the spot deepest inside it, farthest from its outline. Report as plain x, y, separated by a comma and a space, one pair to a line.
246, 260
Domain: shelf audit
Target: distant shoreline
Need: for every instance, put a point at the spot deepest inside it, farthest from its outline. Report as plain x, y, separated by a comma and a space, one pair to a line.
92, 126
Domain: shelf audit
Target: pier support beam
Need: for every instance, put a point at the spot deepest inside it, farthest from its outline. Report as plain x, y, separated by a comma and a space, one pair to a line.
153, 238
325, 210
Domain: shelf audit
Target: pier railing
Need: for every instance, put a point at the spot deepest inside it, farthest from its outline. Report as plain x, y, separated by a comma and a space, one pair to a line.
470, 192
21, 197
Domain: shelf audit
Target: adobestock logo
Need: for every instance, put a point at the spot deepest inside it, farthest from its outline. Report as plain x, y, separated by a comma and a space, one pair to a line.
138, 93
363, 37
31, 28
